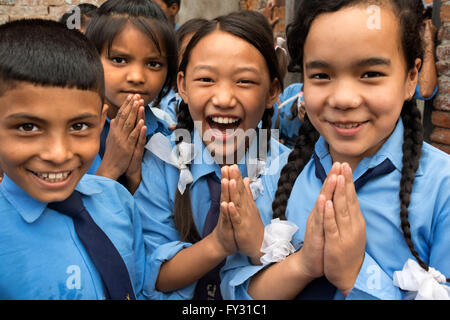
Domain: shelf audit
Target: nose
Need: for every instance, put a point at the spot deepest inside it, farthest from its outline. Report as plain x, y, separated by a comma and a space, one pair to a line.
136, 74
345, 95
224, 95
57, 149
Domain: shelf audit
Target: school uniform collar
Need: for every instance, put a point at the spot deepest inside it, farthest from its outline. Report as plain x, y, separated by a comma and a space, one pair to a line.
204, 164
391, 149
29, 208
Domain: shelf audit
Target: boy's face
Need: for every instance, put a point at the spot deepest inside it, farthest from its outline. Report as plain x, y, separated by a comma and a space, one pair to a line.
49, 137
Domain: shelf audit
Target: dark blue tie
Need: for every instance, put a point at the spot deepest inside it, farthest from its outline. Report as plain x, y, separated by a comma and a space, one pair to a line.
321, 288
208, 287
99, 247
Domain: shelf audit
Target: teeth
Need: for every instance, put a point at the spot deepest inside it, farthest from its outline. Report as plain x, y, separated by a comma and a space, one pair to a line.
347, 126
53, 177
224, 120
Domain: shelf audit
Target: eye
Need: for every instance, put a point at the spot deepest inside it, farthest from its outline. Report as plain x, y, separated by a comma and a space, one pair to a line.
372, 74
155, 65
79, 127
320, 76
205, 79
118, 60
28, 127
247, 81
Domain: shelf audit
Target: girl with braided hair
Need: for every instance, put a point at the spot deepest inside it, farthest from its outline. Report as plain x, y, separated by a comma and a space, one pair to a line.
368, 195
202, 202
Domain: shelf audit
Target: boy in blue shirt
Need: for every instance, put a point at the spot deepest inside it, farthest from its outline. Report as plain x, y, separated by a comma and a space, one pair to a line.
51, 116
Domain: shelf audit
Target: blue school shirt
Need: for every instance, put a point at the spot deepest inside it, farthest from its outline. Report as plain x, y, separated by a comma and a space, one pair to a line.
386, 249
155, 199
41, 256
169, 104
289, 128
153, 123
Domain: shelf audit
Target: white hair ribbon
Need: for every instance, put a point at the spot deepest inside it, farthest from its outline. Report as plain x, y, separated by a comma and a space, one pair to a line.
255, 168
277, 241
424, 285
161, 147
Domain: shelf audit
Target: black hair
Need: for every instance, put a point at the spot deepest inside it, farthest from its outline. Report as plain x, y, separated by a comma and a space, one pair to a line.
146, 16
243, 27
169, 2
87, 11
297, 31
46, 53
189, 27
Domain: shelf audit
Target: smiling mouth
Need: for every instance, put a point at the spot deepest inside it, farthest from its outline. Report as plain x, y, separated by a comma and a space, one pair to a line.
348, 125
52, 177
223, 123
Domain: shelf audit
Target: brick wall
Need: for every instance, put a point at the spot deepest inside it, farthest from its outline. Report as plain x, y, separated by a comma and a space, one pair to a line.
279, 12
47, 9
440, 136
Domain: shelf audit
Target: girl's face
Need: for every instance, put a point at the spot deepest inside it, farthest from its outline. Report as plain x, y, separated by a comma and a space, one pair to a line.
227, 87
356, 80
133, 66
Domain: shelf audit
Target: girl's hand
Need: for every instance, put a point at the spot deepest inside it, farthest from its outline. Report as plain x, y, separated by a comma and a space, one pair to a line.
223, 232
133, 173
122, 138
345, 234
314, 243
244, 214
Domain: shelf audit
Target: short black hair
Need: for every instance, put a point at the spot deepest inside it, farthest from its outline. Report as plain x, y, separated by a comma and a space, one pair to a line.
45, 53
146, 16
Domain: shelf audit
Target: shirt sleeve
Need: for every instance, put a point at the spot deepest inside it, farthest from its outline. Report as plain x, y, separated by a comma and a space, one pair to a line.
373, 283
154, 200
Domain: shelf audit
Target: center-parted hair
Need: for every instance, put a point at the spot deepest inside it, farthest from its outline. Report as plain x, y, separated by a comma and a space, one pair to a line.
244, 27
46, 53
112, 17
410, 23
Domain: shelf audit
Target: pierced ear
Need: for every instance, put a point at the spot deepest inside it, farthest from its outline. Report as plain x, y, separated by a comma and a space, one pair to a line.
274, 92
181, 86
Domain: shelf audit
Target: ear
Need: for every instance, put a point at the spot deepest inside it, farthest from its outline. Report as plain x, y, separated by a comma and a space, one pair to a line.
274, 92
103, 116
181, 86
412, 79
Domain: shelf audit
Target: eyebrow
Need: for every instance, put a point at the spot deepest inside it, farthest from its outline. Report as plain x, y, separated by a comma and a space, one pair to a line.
25, 116
240, 69
116, 52
369, 62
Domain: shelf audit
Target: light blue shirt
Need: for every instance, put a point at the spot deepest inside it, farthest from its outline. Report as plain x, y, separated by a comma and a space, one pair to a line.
155, 200
169, 104
41, 256
289, 127
386, 249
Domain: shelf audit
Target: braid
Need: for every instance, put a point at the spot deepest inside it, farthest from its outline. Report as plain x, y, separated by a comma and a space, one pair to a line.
267, 124
412, 149
183, 216
298, 158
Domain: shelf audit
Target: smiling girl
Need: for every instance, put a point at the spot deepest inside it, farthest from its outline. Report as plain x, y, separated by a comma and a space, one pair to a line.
368, 195
198, 209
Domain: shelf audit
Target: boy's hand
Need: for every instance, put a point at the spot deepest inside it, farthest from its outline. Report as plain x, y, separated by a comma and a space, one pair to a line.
244, 214
122, 138
345, 235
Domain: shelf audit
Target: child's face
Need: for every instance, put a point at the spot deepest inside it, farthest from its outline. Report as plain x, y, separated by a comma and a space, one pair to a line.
49, 137
355, 80
227, 87
134, 65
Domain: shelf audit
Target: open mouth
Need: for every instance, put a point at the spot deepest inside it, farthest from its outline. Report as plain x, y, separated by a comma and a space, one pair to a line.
223, 123
348, 128
52, 177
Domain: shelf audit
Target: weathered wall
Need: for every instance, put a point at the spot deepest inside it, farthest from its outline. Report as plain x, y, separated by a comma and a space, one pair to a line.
208, 9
